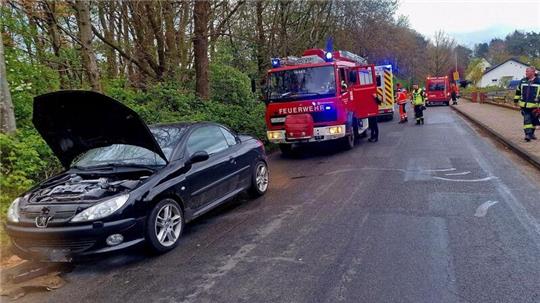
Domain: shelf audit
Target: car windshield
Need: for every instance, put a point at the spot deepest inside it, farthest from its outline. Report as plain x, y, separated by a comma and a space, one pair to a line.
123, 154
301, 83
436, 86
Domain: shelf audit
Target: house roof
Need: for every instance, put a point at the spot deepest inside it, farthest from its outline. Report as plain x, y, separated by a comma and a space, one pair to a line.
511, 59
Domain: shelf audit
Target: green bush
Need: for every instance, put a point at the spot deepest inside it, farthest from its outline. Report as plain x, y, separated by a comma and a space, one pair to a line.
25, 160
229, 85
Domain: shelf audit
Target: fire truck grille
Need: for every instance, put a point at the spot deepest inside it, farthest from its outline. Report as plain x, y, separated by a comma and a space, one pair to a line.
318, 117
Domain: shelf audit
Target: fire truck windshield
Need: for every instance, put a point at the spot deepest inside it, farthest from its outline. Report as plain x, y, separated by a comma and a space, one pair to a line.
301, 83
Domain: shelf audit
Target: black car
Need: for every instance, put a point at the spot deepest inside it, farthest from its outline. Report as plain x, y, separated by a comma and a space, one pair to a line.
126, 183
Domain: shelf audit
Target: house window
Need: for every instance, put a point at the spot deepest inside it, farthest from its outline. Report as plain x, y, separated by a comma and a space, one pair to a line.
494, 80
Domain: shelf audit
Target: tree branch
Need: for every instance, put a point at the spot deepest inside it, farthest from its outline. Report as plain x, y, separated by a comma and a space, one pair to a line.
122, 53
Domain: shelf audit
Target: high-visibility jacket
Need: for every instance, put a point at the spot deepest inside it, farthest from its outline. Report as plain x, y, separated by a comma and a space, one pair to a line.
527, 93
418, 97
402, 98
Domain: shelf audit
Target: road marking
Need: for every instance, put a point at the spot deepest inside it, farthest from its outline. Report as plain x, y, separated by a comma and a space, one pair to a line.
481, 211
462, 180
458, 174
440, 170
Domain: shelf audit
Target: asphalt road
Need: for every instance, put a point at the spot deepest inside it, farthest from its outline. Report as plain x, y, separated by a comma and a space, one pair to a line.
433, 213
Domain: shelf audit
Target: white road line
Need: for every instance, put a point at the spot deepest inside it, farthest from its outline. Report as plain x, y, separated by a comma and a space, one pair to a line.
440, 170
458, 174
464, 180
481, 211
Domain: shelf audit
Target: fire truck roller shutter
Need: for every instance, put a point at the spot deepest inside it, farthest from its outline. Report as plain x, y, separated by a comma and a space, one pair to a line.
388, 86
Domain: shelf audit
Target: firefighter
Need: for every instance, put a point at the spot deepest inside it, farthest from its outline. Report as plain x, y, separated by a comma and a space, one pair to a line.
402, 103
419, 103
453, 93
527, 95
372, 122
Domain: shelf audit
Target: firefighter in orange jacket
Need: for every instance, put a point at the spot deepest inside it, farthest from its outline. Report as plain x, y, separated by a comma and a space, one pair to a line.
402, 102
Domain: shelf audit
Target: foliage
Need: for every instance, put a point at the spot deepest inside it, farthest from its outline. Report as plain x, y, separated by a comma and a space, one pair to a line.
25, 160
229, 85
475, 70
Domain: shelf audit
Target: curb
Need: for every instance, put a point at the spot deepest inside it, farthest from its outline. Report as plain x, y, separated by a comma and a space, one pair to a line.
517, 149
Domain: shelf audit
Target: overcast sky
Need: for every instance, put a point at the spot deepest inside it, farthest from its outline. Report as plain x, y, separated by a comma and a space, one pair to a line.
472, 21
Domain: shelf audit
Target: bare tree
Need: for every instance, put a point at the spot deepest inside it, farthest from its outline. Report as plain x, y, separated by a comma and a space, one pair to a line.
7, 115
85, 37
440, 54
201, 15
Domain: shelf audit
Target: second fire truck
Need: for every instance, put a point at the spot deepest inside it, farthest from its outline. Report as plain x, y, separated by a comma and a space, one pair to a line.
320, 96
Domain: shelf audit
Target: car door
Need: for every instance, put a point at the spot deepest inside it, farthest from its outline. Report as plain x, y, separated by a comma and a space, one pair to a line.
210, 180
242, 157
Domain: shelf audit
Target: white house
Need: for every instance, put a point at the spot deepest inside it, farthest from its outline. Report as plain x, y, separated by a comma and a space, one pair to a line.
503, 73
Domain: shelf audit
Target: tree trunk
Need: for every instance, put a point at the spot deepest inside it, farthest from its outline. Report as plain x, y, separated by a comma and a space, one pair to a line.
85, 36
201, 13
52, 29
108, 29
7, 115
157, 30
172, 59
261, 67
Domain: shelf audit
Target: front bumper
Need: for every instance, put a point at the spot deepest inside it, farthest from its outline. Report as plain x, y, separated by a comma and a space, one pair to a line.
320, 134
68, 242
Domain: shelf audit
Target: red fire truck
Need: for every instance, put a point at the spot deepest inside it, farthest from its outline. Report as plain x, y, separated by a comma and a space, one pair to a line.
318, 97
437, 90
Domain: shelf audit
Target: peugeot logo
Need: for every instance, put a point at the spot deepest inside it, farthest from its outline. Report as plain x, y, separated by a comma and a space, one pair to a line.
43, 219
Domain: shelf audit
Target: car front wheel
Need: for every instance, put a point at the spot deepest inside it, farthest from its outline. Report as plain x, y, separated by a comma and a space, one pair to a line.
164, 226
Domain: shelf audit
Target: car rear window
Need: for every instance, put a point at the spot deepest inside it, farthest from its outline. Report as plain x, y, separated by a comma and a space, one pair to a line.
436, 86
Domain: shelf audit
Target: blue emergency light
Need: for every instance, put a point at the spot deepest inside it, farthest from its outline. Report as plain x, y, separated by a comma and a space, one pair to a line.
276, 62
328, 57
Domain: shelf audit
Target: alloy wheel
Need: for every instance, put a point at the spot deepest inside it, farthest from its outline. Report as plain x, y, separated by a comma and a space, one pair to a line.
168, 224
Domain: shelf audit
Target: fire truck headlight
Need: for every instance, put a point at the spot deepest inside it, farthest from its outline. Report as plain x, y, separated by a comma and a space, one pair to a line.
274, 135
335, 130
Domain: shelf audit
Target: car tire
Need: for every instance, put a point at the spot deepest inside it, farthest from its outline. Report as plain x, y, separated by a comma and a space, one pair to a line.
260, 179
164, 227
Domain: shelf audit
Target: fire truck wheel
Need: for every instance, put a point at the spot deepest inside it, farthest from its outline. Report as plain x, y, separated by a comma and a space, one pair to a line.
286, 149
355, 131
348, 141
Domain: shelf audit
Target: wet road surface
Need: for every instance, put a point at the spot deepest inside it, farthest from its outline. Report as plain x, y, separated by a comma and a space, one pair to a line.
432, 213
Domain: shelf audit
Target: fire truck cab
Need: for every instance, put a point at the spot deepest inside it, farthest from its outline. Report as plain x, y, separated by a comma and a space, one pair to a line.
318, 97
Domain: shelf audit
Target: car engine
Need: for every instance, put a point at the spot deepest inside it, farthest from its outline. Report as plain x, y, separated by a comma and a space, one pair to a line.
74, 187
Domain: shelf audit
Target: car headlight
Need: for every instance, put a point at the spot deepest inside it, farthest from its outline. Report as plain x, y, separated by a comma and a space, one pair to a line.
101, 210
13, 211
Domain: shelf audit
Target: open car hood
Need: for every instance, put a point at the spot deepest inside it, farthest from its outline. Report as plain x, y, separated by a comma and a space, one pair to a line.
74, 122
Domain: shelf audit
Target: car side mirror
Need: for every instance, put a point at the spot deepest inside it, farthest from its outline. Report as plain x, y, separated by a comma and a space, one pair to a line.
199, 156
